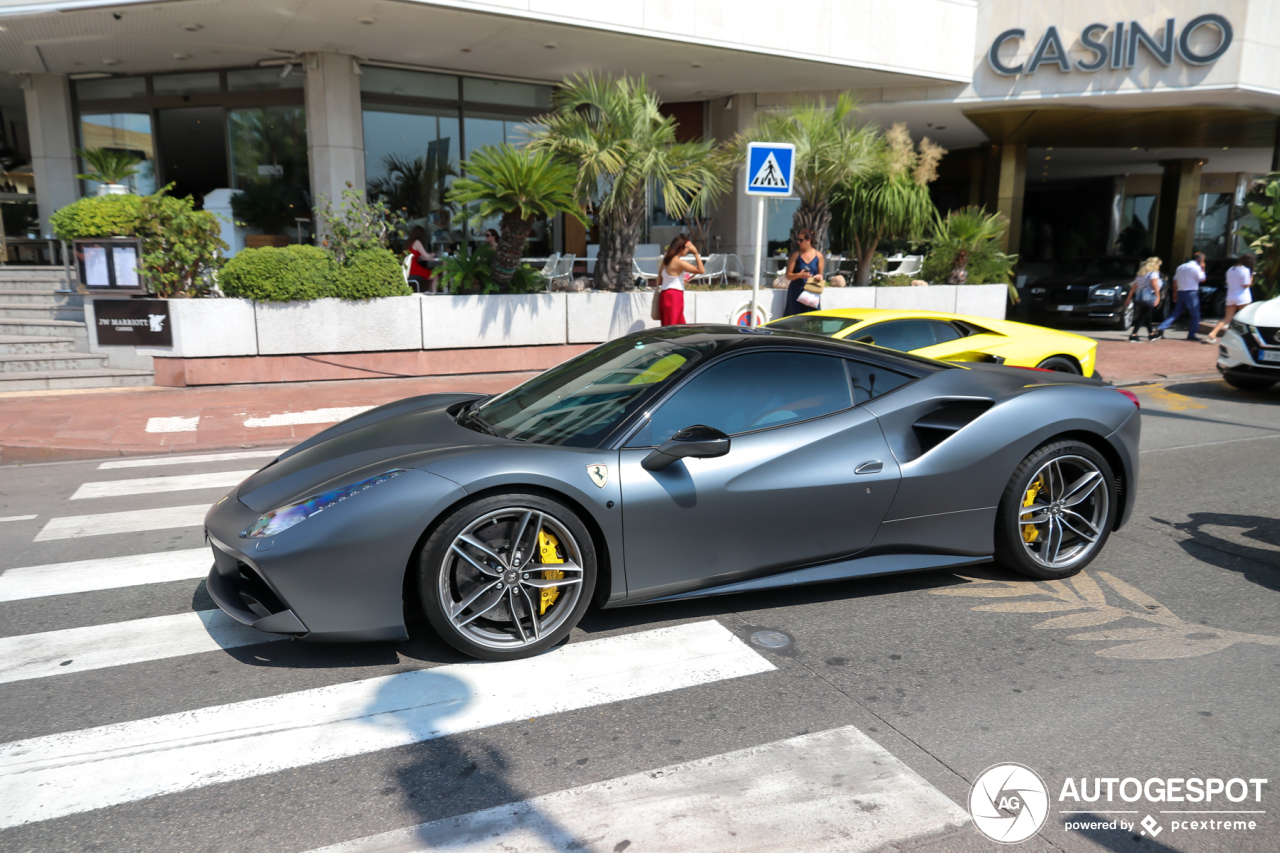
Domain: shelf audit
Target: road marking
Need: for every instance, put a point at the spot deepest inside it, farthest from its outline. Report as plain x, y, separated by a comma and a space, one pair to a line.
119, 643
185, 460
156, 485
18, 517
312, 416
124, 762
131, 521
836, 790
173, 424
1211, 443
104, 573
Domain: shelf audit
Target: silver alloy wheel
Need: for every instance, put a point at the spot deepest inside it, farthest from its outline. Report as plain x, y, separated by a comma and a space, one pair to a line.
1070, 499
492, 578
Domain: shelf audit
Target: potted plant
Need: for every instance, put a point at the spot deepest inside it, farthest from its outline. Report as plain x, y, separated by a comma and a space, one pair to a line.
271, 207
110, 168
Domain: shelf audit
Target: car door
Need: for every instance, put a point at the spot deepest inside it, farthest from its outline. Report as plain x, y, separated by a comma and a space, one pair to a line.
787, 493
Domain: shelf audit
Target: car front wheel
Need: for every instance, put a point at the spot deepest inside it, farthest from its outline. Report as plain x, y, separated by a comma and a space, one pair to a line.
1056, 512
507, 576
1060, 363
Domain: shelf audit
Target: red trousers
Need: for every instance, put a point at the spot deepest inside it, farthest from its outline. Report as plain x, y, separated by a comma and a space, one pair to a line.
671, 304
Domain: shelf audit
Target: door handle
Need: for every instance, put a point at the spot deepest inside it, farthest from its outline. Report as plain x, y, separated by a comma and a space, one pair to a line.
873, 467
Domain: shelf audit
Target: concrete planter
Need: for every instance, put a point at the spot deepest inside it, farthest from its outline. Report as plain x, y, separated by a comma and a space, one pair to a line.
598, 317
338, 325
203, 328
936, 297
505, 320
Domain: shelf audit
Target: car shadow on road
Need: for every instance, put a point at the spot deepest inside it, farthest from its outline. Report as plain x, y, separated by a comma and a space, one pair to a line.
1259, 565
1217, 389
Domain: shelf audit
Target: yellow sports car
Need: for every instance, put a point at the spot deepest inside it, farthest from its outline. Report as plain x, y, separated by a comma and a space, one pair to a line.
953, 337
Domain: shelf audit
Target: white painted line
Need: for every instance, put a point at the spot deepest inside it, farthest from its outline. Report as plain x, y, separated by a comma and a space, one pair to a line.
123, 522
156, 485
124, 762
173, 424
151, 461
104, 573
18, 517
832, 791
313, 416
119, 643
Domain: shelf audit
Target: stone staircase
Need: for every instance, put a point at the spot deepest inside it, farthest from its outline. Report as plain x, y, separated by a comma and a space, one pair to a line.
44, 343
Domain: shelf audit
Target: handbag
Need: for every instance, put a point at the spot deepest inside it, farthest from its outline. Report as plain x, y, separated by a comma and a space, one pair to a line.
814, 286
655, 308
808, 298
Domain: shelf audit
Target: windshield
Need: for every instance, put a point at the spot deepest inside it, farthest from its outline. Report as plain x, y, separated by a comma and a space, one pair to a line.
579, 403
1103, 267
814, 324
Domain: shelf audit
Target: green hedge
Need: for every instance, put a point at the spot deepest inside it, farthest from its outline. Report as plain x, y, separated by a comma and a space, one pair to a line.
98, 216
298, 273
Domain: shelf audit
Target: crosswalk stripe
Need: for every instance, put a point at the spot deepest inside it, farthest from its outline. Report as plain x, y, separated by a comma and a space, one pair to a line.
130, 521
150, 461
836, 790
124, 762
156, 485
119, 643
103, 573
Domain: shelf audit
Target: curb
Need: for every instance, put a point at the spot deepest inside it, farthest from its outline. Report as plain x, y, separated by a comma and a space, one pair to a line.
20, 453
1163, 380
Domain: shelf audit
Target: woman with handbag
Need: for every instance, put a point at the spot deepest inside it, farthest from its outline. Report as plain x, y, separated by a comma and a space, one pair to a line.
804, 272
1144, 293
672, 273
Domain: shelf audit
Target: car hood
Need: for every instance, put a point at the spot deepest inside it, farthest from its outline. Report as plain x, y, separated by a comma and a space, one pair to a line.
1261, 313
1061, 282
404, 434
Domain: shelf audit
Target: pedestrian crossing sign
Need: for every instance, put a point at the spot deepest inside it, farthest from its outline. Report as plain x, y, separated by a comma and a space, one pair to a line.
771, 168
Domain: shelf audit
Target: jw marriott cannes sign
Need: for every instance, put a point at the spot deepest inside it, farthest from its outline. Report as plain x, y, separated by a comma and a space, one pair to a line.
1117, 47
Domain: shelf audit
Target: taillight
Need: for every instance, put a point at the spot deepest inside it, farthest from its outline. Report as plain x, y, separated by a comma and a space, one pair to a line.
1132, 396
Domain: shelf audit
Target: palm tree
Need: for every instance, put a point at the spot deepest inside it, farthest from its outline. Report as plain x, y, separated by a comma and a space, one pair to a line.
614, 134
414, 185
966, 235
108, 165
520, 185
830, 151
891, 201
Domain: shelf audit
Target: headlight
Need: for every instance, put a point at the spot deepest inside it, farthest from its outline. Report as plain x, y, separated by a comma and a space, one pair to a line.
1037, 291
295, 513
1105, 293
1240, 328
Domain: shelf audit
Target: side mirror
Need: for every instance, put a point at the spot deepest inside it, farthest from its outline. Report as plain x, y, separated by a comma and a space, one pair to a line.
697, 441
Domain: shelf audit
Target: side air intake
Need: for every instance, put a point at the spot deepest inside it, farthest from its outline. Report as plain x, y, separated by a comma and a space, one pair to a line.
946, 420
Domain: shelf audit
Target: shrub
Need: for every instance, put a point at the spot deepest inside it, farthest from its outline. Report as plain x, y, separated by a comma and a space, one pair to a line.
528, 279
469, 271
289, 274
102, 216
180, 245
368, 274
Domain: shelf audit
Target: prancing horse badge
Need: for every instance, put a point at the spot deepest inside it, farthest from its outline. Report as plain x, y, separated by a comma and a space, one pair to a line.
599, 474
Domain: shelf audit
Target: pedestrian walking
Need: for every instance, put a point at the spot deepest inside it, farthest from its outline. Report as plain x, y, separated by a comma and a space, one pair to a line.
419, 273
671, 277
1239, 293
1186, 296
1144, 293
805, 263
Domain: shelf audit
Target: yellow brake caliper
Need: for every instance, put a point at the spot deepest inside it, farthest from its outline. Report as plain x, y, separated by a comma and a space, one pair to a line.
1029, 531
548, 547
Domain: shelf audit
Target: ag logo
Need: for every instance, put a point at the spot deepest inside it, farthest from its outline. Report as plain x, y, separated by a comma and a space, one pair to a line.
599, 474
1009, 803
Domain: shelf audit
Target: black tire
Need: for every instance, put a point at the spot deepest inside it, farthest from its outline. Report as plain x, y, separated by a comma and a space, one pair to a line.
1248, 383
441, 572
1060, 363
1016, 553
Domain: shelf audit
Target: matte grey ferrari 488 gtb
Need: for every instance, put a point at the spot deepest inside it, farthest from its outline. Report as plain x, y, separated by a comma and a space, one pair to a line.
673, 463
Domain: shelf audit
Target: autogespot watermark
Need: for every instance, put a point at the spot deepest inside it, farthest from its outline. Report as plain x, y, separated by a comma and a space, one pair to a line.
1010, 803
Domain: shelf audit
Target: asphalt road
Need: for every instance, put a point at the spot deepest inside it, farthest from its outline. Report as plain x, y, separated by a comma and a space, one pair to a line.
1161, 661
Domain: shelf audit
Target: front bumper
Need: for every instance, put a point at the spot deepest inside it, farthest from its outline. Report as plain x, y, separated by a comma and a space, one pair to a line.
1091, 310
1243, 356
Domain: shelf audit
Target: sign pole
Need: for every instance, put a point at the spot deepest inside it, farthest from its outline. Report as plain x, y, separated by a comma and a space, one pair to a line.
755, 279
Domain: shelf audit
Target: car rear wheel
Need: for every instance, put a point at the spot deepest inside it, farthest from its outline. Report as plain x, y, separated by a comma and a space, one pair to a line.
1060, 363
507, 576
1056, 512
1248, 383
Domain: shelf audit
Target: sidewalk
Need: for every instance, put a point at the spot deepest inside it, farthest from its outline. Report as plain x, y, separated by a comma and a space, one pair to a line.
93, 423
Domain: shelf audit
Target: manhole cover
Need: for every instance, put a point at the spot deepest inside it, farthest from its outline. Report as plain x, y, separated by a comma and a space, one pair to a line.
770, 639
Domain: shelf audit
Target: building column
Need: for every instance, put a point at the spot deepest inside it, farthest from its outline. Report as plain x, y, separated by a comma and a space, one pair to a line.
1176, 217
335, 125
51, 129
1005, 189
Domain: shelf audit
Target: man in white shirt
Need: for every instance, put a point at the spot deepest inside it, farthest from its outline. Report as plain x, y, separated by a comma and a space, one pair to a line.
1186, 296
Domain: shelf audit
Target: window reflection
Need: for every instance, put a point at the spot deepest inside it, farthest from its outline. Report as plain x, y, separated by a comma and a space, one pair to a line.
411, 157
268, 143
129, 132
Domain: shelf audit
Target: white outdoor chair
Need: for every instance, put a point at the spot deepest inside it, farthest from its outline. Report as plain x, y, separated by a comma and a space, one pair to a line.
906, 265
593, 251
716, 267
638, 272
563, 269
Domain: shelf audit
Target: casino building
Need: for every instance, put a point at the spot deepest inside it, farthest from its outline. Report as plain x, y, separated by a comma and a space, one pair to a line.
1118, 127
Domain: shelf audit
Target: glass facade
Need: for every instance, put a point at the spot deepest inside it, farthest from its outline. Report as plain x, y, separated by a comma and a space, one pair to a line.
129, 132
1213, 224
268, 143
411, 157
1137, 226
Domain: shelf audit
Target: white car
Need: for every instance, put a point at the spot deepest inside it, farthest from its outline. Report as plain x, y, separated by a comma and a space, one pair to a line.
1249, 351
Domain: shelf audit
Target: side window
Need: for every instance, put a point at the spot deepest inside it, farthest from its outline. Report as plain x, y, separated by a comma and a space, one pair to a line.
944, 332
901, 335
869, 380
755, 391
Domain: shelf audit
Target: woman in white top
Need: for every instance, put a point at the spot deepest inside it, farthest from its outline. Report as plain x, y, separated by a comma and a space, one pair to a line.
1239, 281
672, 273
1144, 293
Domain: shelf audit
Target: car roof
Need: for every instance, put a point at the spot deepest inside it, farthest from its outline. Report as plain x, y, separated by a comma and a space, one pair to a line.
1011, 328
726, 338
